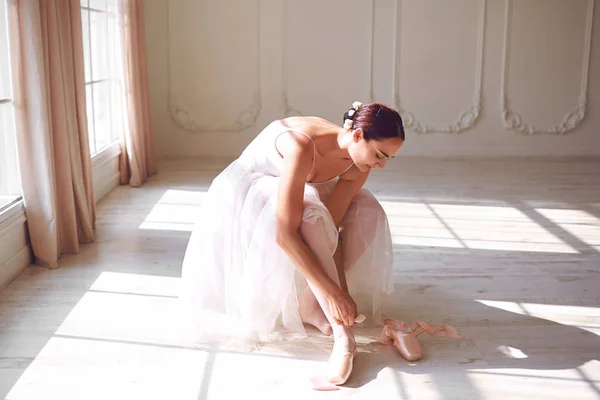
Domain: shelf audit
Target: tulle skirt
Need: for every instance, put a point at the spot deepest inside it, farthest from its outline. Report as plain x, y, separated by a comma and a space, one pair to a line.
238, 283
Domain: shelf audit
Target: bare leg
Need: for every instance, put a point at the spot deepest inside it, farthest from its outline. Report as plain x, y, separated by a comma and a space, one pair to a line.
344, 348
360, 223
311, 312
309, 308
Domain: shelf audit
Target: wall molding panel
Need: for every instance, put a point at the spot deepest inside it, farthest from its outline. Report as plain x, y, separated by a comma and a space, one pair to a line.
511, 119
465, 119
289, 108
187, 119
469, 77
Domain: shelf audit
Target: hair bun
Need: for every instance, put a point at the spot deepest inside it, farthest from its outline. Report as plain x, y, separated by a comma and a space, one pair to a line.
377, 120
349, 115
355, 106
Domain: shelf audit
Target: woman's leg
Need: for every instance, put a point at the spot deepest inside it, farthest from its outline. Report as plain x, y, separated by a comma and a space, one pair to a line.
318, 237
360, 226
309, 308
311, 312
367, 254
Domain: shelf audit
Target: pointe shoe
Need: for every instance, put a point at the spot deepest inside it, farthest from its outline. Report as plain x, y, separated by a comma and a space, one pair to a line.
341, 362
339, 369
404, 337
339, 366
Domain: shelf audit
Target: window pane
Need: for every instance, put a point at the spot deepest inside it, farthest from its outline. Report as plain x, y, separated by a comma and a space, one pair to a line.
89, 98
10, 183
84, 3
5, 89
112, 6
104, 93
85, 25
114, 45
116, 105
99, 45
98, 4
102, 114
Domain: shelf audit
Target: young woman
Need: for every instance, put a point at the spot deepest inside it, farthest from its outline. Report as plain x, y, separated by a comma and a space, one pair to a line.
291, 210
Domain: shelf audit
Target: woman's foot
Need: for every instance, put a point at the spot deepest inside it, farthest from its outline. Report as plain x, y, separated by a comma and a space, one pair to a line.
341, 359
311, 312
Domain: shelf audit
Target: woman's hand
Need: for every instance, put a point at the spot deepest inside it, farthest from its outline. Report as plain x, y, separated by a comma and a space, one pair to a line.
343, 308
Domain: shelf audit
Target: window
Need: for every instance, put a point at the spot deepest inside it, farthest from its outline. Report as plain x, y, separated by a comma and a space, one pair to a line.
103, 72
10, 183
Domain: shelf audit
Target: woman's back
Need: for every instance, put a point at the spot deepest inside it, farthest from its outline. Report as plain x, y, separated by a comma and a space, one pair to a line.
266, 152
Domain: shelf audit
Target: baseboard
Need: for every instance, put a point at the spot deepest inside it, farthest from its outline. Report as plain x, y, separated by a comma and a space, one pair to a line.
105, 170
15, 254
106, 186
14, 266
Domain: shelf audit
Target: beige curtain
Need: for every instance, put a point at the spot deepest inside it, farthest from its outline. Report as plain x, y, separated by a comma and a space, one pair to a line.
52, 137
138, 157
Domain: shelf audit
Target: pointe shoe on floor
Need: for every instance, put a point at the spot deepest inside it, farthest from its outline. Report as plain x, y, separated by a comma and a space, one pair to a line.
404, 337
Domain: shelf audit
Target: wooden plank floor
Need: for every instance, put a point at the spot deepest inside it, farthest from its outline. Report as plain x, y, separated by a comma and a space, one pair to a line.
506, 250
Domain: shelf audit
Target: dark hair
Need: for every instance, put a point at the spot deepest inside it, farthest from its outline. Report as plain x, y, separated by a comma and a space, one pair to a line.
377, 121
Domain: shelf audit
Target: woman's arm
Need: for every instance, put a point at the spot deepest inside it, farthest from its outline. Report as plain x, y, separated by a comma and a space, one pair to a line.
345, 189
297, 163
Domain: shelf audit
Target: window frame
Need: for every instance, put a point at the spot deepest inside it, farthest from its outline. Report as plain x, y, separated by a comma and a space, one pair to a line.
95, 150
4, 208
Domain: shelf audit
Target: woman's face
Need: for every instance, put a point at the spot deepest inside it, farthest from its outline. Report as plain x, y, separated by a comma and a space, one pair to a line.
372, 153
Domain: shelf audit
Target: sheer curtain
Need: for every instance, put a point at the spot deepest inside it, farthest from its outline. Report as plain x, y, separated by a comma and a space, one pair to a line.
51, 121
138, 157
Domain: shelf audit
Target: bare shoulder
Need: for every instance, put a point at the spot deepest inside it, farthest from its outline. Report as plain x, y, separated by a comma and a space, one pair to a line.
295, 144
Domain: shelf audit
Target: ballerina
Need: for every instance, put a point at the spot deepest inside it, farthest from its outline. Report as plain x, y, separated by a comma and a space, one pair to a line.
287, 233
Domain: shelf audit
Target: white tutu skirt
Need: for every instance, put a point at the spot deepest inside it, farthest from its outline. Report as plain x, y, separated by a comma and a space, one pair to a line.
238, 282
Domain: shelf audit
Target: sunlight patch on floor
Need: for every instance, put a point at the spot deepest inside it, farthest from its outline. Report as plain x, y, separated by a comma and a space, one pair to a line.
556, 384
175, 211
581, 224
582, 317
469, 227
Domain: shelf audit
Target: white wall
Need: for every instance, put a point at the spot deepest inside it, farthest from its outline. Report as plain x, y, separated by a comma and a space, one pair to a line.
222, 70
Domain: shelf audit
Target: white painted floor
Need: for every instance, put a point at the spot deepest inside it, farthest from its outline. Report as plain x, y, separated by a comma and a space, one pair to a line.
506, 250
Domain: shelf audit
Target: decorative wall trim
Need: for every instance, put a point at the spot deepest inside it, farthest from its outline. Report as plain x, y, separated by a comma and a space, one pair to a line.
466, 119
511, 119
289, 110
245, 119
